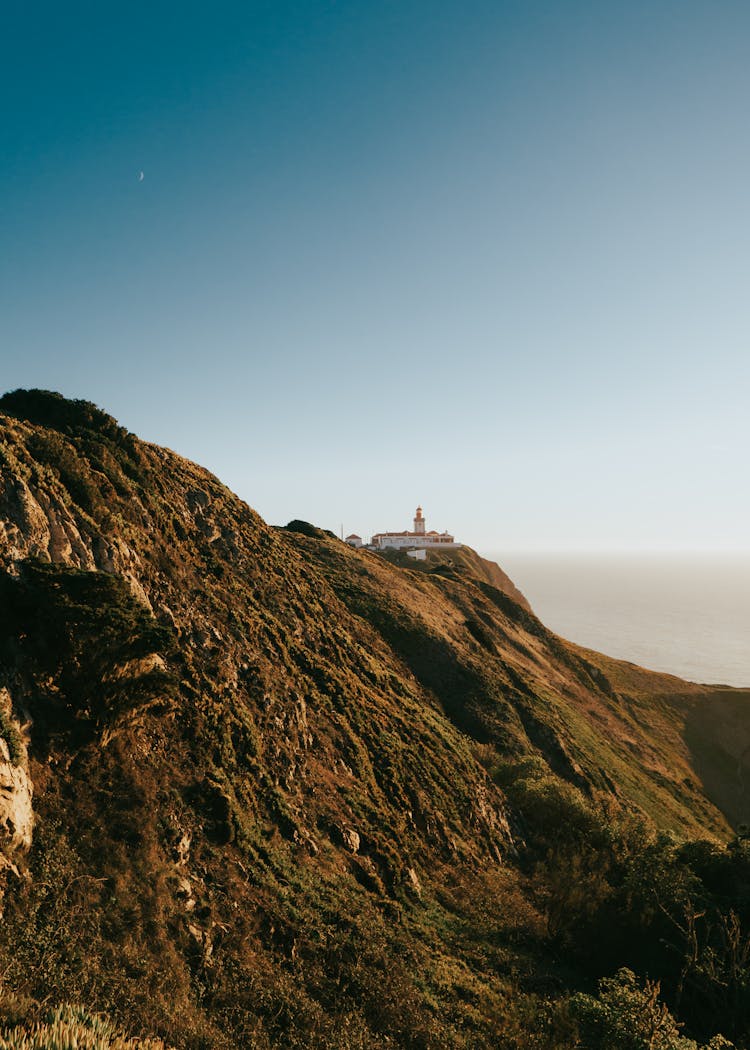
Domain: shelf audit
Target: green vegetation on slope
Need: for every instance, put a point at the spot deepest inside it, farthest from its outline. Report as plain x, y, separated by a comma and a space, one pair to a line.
289, 794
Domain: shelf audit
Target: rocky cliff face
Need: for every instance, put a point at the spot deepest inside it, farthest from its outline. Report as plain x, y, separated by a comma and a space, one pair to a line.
16, 789
257, 752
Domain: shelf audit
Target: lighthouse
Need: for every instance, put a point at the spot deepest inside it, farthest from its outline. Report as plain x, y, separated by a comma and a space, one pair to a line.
419, 538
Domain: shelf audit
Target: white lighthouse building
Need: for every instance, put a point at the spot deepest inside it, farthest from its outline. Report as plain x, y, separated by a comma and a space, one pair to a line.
418, 538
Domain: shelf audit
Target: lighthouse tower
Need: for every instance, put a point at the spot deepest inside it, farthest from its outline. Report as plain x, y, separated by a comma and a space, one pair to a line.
419, 522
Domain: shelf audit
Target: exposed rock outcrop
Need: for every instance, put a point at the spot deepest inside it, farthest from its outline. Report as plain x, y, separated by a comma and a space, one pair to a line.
16, 789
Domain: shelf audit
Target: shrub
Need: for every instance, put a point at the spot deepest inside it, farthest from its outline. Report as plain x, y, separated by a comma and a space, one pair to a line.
50, 409
629, 1016
86, 633
72, 1028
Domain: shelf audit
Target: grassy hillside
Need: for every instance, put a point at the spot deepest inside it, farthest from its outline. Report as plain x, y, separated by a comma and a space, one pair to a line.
706, 726
287, 793
508, 682
461, 562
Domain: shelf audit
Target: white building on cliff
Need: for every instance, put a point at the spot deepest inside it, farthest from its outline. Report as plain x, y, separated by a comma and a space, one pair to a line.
416, 539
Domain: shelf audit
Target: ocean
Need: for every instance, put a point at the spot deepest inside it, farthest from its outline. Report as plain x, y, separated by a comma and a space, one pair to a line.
688, 615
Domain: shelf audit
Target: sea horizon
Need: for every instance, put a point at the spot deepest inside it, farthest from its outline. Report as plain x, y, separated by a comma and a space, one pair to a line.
685, 613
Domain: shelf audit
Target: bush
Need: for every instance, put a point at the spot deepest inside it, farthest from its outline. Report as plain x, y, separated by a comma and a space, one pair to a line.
629, 1016
56, 452
50, 409
72, 1028
87, 634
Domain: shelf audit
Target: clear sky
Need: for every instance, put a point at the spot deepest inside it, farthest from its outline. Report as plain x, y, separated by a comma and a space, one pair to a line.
490, 257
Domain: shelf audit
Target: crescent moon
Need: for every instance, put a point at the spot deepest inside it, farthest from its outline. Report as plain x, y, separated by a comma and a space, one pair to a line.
141, 176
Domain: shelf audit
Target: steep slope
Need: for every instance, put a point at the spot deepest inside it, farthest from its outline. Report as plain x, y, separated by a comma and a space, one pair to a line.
702, 727
505, 680
459, 563
270, 774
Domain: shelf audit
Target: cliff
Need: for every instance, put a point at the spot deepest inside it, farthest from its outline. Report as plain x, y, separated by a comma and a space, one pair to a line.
284, 791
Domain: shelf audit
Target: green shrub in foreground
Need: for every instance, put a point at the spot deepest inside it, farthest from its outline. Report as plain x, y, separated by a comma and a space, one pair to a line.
629, 1016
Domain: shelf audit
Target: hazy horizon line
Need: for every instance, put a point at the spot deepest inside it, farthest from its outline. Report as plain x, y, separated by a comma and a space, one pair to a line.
614, 551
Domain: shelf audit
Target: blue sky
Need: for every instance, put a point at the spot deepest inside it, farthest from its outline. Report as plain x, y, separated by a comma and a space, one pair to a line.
489, 257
